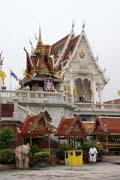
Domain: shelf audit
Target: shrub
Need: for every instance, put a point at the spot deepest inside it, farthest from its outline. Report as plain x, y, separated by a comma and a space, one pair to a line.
61, 151
6, 138
34, 149
7, 156
42, 156
85, 147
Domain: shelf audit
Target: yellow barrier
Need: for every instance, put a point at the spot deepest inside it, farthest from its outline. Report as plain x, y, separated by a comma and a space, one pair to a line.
74, 157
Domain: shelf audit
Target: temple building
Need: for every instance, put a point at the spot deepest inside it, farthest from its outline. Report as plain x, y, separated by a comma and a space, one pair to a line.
63, 79
69, 68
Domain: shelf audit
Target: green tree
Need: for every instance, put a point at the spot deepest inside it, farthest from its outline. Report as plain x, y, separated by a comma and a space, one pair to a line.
6, 138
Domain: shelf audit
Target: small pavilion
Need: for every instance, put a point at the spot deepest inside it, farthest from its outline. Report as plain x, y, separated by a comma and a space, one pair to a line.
107, 133
72, 130
37, 130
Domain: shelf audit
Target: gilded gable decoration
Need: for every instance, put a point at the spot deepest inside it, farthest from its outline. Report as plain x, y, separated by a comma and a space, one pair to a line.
82, 54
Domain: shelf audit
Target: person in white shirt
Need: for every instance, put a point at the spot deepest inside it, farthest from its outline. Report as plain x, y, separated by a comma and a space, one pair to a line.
92, 154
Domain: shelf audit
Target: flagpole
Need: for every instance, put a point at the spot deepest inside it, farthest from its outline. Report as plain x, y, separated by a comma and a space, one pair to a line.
10, 81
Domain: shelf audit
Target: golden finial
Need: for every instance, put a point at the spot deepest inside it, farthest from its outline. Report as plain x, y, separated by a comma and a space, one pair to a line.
39, 47
40, 39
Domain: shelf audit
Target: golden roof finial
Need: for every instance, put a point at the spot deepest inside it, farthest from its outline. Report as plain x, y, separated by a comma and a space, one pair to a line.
40, 38
39, 47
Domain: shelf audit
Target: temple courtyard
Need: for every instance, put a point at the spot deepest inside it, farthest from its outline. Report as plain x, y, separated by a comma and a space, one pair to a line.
98, 171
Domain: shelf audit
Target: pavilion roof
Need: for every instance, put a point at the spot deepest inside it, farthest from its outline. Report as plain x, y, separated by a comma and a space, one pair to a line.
107, 125
38, 124
71, 127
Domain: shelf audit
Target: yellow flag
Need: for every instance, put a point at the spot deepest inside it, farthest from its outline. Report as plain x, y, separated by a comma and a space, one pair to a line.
118, 92
27, 74
69, 89
91, 92
75, 92
2, 75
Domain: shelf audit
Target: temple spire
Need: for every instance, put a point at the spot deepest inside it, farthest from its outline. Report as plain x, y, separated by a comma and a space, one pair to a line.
40, 38
39, 47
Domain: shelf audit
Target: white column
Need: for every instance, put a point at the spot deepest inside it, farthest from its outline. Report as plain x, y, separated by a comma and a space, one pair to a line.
93, 88
72, 89
99, 95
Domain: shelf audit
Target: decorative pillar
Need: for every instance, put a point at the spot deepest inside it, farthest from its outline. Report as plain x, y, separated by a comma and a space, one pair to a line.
93, 89
100, 93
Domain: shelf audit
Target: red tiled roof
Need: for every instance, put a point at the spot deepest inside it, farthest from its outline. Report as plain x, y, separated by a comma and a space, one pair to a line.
68, 51
25, 123
114, 101
71, 47
107, 124
58, 44
66, 127
29, 121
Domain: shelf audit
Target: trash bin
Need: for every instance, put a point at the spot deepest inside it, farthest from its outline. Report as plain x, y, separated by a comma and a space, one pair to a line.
74, 157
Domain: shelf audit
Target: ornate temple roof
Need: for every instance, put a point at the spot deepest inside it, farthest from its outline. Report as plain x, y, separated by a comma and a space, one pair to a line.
39, 64
71, 127
107, 125
38, 124
53, 60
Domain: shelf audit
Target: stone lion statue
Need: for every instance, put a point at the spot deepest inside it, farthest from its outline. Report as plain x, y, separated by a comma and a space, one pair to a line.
22, 153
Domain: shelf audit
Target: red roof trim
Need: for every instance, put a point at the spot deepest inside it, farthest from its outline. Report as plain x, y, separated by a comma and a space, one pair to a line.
58, 44
107, 125
32, 119
65, 127
71, 47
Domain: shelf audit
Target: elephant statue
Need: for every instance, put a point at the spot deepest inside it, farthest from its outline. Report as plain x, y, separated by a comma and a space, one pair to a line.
22, 154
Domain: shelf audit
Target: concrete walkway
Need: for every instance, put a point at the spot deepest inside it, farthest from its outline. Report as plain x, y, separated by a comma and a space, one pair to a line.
98, 171
112, 159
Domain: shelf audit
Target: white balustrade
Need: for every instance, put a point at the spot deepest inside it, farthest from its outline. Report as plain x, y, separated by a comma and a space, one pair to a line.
97, 107
55, 97
48, 97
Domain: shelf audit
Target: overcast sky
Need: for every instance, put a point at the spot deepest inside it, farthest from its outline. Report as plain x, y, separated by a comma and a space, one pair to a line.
19, 21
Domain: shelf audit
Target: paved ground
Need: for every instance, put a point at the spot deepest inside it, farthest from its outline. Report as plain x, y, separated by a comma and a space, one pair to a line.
99, 171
